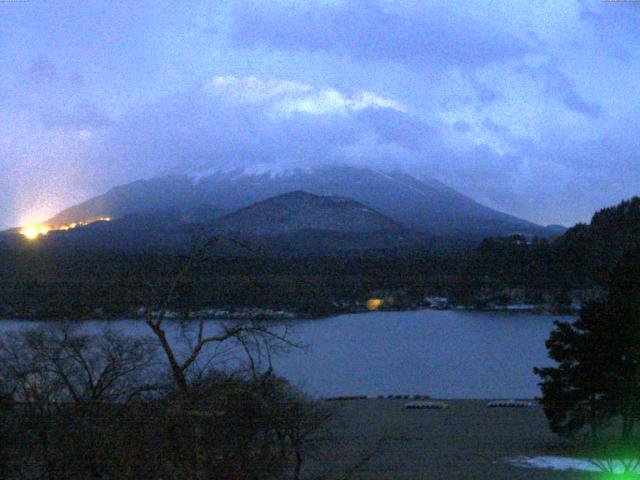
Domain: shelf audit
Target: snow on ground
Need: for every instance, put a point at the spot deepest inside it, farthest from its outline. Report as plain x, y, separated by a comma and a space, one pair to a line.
565, 463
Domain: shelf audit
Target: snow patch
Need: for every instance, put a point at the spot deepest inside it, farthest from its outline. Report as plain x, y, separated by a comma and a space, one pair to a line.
274, 171
567, 463
256, 170
398, 181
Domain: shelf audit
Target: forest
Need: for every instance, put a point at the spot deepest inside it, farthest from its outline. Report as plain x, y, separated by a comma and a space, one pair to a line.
39, 282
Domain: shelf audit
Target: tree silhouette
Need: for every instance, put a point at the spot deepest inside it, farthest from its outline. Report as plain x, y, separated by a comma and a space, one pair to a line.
574, 393
598, 360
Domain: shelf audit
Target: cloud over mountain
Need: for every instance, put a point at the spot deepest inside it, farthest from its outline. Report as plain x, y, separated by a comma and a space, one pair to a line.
244, 121
414, 33
525, 106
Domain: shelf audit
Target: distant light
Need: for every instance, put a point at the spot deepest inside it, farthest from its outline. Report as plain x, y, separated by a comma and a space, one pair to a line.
374, 303
32, 232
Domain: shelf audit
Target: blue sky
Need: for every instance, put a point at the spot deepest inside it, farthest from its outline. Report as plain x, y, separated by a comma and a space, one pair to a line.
528, 107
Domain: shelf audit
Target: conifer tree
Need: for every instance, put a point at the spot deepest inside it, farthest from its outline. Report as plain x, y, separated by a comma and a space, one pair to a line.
598, 360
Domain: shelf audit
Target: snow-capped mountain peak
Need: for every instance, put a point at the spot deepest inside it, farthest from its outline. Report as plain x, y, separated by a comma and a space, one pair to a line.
423, 205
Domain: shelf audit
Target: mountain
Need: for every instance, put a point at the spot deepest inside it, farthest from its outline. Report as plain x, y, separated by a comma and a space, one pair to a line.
174, 194
295, 211
292, 222
303, 222
158, 232
424, 205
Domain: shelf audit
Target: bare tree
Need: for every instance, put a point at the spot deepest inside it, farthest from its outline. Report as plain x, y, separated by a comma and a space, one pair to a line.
61, 364
83, 414
203, 340
254, 338
69, 386
301, 424
6, 407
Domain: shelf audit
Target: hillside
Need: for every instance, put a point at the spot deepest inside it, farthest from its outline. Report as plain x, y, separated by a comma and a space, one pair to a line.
594, 248
299, 210
582, 258
329, 274
303, 222
294, 222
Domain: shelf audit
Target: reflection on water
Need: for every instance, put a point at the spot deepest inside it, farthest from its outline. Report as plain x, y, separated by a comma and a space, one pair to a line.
447, 354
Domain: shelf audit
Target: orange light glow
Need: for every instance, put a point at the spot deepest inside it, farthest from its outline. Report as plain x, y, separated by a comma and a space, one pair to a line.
374, 303
32, 232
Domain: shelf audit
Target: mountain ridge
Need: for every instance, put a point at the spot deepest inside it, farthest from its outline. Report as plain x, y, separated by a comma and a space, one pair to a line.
294, 222
432, 208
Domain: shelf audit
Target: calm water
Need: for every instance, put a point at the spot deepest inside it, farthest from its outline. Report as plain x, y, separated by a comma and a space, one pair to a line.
447, 354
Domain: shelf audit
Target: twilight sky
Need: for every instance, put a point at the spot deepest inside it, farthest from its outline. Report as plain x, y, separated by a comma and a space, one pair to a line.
529, 107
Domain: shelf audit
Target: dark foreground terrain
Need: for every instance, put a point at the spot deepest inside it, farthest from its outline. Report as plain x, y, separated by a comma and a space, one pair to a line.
467, 441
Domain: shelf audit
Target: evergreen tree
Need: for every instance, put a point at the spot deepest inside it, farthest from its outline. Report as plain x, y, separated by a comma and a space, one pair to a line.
574, 394
598, 360
624, 311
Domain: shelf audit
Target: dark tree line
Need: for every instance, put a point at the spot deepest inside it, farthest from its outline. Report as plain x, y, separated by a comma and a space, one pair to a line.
585, 255
41, 284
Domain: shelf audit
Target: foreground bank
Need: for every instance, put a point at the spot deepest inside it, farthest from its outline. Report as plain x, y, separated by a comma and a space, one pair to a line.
466, 441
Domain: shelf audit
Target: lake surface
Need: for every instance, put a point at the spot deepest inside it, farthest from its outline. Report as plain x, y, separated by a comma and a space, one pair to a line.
445, 354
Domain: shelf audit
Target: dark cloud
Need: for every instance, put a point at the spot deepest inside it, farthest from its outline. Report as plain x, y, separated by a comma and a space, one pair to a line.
617, 25
80, 117
41, 71
614, 14
485, 95
250, 125
399, 128
369, 30
560, 87
502, 131
462, 126
222, 128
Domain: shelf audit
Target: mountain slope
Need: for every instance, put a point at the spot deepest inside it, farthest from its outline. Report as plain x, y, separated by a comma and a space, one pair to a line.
424, 205
299, 210
157, 232
292, 222
302, 222
591, 251
176, 194
583, 257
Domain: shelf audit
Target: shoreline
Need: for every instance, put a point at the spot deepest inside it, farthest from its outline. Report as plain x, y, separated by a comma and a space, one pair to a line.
260, 314
294, 318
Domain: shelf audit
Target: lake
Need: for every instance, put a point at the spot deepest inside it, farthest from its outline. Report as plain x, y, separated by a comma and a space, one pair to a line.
445, 354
